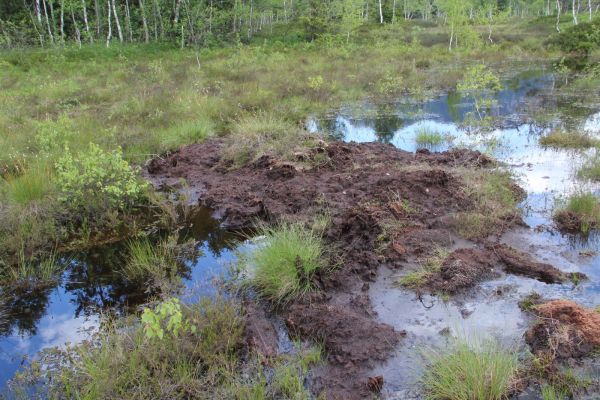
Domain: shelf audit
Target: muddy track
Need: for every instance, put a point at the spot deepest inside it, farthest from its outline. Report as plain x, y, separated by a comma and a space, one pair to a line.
386, 206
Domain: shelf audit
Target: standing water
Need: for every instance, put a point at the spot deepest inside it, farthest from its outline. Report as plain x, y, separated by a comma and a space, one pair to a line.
93, 285
546, 174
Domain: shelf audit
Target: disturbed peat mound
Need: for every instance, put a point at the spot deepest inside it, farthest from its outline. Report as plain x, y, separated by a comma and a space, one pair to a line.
464, 268
383, 205
564, 330
353, 339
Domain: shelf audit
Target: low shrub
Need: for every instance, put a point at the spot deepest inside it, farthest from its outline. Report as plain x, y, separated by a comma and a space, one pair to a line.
97, 178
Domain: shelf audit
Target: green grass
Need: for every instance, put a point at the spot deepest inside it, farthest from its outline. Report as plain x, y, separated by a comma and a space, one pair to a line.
471, 370
31, 186
428, 267
427, 137
283, 267
590, 169
568, 139
122, 362
186, 133
257, 135
33, 272
551, 393
496, 199
151, 263
152, 99
580, 211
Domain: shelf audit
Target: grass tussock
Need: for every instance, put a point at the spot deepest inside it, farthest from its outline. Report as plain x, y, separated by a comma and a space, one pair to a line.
151, 263
428, 267
569, 139
29, 187
471, 370
429, 138
257, 135
495, 197
580, 212
284, 266
29, 272
590, 169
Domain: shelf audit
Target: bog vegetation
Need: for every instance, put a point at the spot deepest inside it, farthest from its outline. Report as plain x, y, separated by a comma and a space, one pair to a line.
90, 90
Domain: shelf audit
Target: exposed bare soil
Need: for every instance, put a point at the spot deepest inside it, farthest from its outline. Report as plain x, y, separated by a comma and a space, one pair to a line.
386, 206
463, 268
564, 330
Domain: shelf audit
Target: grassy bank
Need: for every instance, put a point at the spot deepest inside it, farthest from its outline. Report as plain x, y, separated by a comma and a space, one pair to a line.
133, 102
173, 351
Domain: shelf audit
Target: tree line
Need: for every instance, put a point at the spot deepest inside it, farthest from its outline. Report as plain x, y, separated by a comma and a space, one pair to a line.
203, 22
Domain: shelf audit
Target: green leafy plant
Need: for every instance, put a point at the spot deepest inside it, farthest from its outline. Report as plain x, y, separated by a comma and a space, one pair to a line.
166, 317
53, 135
97, 174
480, 84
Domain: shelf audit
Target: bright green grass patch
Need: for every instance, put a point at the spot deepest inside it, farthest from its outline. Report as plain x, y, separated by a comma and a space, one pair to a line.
479, 370
569, 139
261, 134
186, 133
427, 137
284, 266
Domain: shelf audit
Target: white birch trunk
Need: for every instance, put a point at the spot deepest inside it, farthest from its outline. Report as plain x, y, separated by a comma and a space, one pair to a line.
109, 35
128, 20
85, 21
117, 23
77, 31
48, 22
62, 21
144, 22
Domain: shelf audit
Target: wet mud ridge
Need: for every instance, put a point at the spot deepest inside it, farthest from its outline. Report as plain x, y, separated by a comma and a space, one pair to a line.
386, 206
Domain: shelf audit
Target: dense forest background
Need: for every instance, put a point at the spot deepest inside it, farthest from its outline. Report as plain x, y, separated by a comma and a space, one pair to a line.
209, 22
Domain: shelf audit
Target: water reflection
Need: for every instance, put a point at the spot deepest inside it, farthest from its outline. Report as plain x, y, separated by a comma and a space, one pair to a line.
93, 284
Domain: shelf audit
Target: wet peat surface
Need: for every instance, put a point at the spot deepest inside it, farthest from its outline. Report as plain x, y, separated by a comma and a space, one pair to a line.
374, 331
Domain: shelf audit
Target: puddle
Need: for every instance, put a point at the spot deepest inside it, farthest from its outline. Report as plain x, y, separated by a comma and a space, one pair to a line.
92, 284
546, 174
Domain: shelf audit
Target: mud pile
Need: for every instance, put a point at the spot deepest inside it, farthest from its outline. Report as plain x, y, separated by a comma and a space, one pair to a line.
464, 268
385, 206
565, 330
